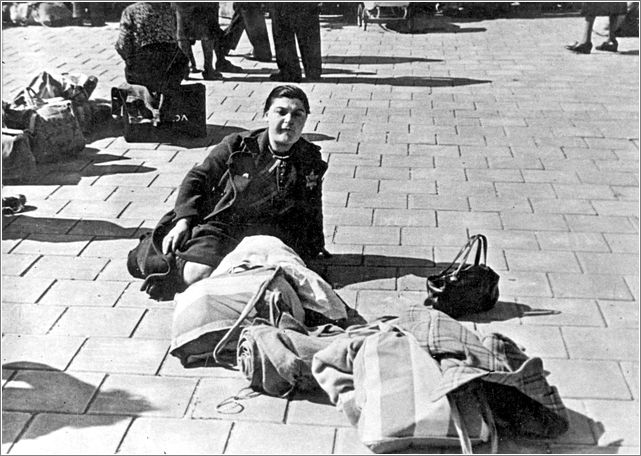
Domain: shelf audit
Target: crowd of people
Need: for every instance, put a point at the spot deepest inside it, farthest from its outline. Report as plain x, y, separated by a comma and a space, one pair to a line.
152, 33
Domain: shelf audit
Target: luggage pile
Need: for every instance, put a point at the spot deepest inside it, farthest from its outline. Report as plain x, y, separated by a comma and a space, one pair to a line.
419, 380
45, 123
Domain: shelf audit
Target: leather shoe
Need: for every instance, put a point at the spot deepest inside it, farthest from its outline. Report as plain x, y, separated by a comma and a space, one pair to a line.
580, 48
610, 46
212, 75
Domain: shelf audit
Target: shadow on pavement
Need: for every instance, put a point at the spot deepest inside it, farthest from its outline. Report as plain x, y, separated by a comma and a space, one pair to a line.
373, 59
37, 387
21, 225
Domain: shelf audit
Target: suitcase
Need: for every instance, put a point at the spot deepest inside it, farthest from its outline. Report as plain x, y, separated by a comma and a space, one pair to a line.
180, 112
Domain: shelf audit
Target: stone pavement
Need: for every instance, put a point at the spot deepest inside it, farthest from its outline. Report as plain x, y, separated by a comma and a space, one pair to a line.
494, 129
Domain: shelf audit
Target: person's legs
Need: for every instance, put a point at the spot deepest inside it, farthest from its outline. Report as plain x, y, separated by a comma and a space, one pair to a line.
611, 45
309, 42
193, 272
285, 44
585, 46
208, 52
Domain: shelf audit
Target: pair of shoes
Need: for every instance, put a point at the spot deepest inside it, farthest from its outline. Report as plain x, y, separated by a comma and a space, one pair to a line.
228, 67
610, 46
580, 48
280, 77
260, 58
212, 75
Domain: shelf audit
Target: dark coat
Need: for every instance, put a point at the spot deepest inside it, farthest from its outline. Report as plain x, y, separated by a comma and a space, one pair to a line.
224, 200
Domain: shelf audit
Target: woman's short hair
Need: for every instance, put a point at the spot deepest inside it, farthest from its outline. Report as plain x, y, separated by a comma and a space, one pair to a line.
287, 91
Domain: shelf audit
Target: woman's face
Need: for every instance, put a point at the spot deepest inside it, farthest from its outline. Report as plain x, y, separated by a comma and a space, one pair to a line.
286, 118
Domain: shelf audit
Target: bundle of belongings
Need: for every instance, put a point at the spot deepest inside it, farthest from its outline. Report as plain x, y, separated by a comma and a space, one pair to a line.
46, 123
50, 14
419, 380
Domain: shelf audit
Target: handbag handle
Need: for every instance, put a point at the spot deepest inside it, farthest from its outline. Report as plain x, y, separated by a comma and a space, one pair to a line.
486, 415
465, 253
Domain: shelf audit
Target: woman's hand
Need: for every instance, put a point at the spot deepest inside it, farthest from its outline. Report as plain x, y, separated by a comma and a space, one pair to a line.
176, 237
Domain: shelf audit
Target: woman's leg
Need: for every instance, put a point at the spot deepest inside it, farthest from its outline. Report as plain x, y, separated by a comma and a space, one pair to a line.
587, 32
193, 272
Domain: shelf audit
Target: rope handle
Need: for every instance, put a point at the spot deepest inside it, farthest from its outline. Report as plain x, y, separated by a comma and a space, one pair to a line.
486, 415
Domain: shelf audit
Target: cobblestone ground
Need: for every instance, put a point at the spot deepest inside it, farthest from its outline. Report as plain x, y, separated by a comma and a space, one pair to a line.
490, 126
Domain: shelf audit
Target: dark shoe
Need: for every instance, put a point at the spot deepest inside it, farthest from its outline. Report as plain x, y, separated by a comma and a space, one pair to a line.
313, 78
194, 69
228, 67
280, 77
259, 58
582, 48
212, 75
610, 46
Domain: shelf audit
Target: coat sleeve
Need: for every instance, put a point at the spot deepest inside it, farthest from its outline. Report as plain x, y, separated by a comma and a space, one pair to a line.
315, 233
195, 192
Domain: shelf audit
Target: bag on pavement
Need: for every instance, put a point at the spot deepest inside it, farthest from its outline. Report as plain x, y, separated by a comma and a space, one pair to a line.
394, 382
55, 129
18, 163
470, 288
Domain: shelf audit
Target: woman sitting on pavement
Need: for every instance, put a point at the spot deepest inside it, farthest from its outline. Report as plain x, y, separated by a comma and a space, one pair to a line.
266, 182
147, 44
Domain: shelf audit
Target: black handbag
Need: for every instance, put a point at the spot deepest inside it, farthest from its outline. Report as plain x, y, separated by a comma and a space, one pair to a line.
471, 288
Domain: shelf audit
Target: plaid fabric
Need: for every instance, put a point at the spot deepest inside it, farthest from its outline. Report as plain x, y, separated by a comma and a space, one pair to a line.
465, 355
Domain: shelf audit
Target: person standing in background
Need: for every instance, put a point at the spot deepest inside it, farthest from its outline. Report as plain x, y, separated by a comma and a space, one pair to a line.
249, 17
293, 22
590, 10
199, 21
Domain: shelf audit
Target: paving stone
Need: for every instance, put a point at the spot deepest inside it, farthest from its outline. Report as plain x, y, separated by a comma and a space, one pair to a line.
97, 321
562, 206
581, 379
171, 367
452, 236
526, 260
466, 188
82, 193
626, 243
83, 293
314, 409
614, 344
28, 318
436, 202
620, 314
556, 240
23, 289
66, 267
375, 278
131, 193
631, 374
105, 247
580, 429
615, 421
39, 391
505, 204
609, 263
367, 235
600, 224
584, 191
589, 286
253, 438
16, 265
378, 200
524, 284
12, 425
404, 217
559, 311
254, 407
134, 297
155, 324
623, 208
472, 221
414, 187
121, 227
348, 442
143, 395
53, 433
175, 436
533, 190
52, 244
118, 355
38, 351
534, 222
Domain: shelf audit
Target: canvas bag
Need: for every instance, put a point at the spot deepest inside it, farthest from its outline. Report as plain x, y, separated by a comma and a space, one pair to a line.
394, 379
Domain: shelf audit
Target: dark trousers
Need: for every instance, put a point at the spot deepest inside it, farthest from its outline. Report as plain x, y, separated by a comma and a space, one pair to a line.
300, 22
249, 17
159, 67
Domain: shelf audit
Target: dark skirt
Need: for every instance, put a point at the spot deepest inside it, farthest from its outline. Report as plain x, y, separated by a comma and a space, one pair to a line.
591, 9
158, 67
197, 21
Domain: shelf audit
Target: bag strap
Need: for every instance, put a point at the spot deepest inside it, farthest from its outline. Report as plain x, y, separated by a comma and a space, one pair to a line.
465, 253
486, 415
243, 315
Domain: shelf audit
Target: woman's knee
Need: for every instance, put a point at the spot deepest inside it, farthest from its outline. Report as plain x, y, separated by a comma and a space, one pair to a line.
193, 272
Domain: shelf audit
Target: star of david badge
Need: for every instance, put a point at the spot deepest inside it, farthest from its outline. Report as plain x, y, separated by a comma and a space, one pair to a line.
312, 180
